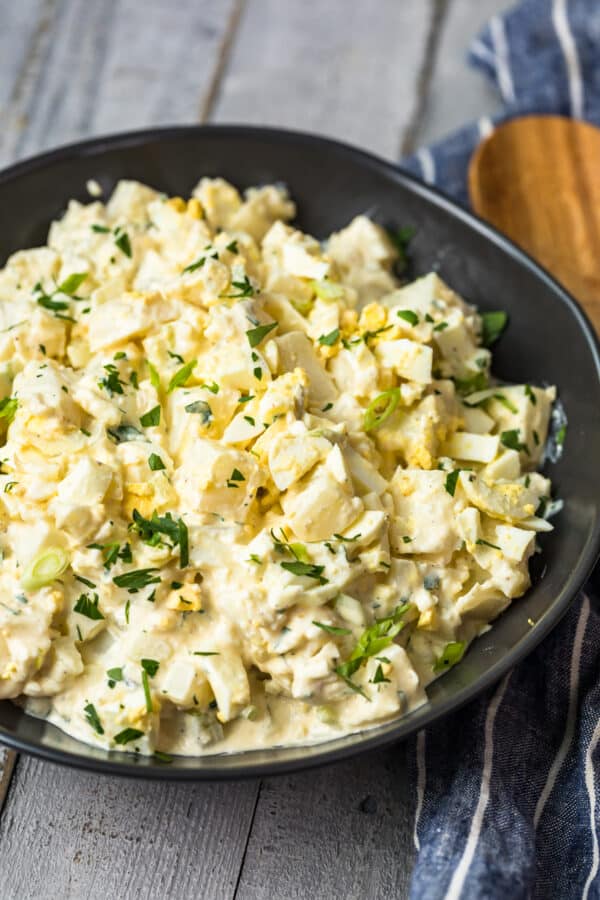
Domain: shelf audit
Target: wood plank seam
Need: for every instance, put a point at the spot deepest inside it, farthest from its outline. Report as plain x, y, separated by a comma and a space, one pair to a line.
212, 94
247, 844
439, 11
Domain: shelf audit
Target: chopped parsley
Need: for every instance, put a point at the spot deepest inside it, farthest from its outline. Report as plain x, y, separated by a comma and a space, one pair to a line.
100, 229
258, 334
155, 462
529, 394
136, 579
328, 340
232, 247
151, 418
85, 581
151, 530
151, 666
235, 476
243, 288
331, 629
441, 326
111, 381
409, 316
213, 387
511, 440
505, 402
93, 718
492, 326
483, 543
114, 675
379, 677
180, 377
306, 570
451, 481
206, 653
128, 735
122, 241
372, 641
88, 606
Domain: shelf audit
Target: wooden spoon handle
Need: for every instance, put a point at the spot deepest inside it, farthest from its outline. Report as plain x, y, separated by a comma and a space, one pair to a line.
537, 179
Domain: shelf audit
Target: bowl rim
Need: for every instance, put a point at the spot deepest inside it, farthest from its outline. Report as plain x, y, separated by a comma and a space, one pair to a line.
402, 728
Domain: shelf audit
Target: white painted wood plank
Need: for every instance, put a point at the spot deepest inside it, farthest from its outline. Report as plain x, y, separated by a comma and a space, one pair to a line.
68, 835
25, 29
117, 65
459, 94
347, 70
343, 831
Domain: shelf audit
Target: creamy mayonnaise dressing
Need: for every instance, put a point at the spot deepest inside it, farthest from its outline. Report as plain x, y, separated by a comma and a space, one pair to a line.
254, 492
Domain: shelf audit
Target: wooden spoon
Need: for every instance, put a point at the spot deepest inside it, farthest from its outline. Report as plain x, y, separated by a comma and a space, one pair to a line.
537, 179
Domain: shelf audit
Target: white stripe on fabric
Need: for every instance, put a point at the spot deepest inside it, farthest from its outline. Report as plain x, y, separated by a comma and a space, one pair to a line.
461, 871
560, 20
485, 126
421, 778
589, 783
478, 48
505, 82
427, 164
559, 759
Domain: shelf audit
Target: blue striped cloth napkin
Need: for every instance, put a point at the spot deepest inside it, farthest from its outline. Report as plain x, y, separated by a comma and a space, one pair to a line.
508, 789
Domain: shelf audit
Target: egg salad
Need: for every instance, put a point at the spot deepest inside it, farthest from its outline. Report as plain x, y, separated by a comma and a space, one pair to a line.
254, 490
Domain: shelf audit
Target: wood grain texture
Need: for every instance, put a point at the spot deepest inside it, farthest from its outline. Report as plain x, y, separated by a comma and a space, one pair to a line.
7, 763
537, 179
339, 832
67, 835
112, 65
347, 70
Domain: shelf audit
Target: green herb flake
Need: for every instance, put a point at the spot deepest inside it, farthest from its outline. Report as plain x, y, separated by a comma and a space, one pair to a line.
155, 462
180, 377
135, 580
255, 559
206, 653
331, 629
452, 481
85, 581
492, 326
409, 316
306, 570
151, 666
114, 675
243, 289
93, 718
151, 418
256, 335
100, 229
88, 606
451, 654
379, 677
124, 433
123, 243
529, 394
372, 641
511, 440
561, 435
127, 736
483, 543
441, 326
328, 340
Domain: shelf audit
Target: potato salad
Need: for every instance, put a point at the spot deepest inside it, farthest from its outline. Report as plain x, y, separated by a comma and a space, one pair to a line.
255, 490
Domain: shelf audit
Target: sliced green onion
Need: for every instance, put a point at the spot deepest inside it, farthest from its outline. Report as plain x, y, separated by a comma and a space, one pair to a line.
381, 408
45, 568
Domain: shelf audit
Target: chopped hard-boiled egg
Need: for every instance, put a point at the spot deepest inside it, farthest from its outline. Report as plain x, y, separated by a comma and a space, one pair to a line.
253, 490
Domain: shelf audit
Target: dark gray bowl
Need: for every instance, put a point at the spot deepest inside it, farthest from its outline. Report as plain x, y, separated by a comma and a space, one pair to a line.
549, 340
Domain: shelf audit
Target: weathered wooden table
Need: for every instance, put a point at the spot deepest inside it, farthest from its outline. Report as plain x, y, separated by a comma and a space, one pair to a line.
385, 74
